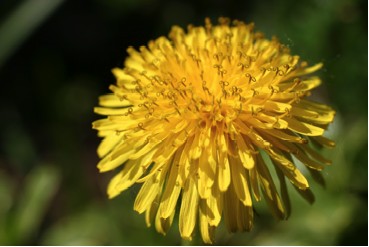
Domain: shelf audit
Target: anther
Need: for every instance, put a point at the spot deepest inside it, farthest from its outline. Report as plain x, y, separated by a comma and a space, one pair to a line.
287, 110
240, 53
297, 97
254, 92
143, 73
183, 80
279, 72
240, 109
272, 68
177, 110
263, 70
123, 97
138, 88
242, 99
297, 81
198, 61
241, 65
272, 90
140, 125
251, 130
251, 78
147, 140
217, 66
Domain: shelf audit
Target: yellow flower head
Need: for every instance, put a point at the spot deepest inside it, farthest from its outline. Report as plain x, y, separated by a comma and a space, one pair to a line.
200, 118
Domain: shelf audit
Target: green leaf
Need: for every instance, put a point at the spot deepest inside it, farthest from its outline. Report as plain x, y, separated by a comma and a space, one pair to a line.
40, 186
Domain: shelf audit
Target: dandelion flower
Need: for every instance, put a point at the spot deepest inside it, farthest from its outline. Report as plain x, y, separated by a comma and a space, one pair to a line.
201, 118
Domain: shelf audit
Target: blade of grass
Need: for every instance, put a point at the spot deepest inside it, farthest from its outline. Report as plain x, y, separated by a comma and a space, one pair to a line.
22, 22
39, 188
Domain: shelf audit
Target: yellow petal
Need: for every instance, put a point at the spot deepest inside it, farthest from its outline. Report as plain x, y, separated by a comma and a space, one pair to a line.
258, 140
306, 194
111, 100
274, 121
244, 153
112, 187
245, 217
289, 169
224, 173
171, 193
105, 124
308, 70
151, 212
317, 176
308, 84
162, 225
107, 144
308, 162
184, 164
195, 150
110, 111
142, 151
120, 74
303, 128
230, 214
215, 205
149, 191
129, 175
322, 109
312, 116
285, 135
135, 56
323, 141
239, 182
206, 174
207, 231
108, 163
204, 138
284, 191
315, 155
166, 150
238, 217
276, 106
254, 184
268, 189
189, 207
124, 179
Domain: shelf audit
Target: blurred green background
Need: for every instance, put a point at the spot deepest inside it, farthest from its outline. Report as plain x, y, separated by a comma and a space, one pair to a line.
55, 60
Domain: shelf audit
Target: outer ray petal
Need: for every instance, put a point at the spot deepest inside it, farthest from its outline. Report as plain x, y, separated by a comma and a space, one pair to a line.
189, 207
